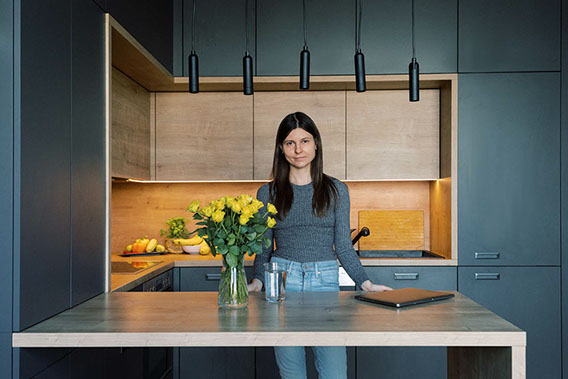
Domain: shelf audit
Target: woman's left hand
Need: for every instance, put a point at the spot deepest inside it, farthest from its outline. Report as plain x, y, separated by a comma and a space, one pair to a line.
369, 286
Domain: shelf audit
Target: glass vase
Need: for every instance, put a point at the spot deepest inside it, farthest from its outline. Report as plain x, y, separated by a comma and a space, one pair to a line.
233, 291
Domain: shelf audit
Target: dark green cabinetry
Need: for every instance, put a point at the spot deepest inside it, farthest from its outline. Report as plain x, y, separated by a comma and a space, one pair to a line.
212, 362
528, 297
87, 152
393, 362
219, 36
385, 36
150, 22
504, 36
564, 185
508, 165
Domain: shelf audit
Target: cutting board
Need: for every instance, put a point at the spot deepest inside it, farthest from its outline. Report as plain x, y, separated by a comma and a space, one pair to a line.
392, 230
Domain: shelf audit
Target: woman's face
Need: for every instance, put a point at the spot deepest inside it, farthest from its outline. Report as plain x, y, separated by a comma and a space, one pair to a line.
299, 148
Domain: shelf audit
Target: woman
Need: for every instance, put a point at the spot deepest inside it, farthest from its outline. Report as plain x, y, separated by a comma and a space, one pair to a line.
313, 217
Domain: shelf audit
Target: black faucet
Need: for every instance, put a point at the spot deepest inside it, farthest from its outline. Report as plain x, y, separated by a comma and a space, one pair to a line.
362, 233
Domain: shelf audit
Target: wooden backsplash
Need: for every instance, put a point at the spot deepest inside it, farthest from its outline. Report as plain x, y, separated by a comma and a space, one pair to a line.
140, 209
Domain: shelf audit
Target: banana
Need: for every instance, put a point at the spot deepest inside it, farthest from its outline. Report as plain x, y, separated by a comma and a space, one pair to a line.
151, 245
191, 241
160, 248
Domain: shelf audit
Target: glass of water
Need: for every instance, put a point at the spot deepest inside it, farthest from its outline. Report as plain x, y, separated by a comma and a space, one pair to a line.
275, 281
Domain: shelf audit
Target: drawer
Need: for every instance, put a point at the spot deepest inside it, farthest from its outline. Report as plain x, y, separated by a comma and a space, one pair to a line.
431, 278
204, 278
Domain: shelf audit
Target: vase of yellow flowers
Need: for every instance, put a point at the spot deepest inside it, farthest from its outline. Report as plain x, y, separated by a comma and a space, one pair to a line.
233, 226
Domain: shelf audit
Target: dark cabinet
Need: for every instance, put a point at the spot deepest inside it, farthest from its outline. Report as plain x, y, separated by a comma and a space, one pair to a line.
385, 36
219, 36
150, 22
508, 165
501, 36
393, 362
88, 149
212, 362
528, 297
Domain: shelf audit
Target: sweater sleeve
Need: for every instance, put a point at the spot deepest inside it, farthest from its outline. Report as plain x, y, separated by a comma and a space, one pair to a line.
343, 245
260, 259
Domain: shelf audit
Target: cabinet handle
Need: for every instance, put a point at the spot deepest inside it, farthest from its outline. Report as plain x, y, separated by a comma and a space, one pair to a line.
487, 276
405, 275
213, 276
486, 255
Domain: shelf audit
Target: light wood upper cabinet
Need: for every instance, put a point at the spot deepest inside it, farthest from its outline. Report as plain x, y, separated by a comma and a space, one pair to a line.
389, 137
205, 136
326, 108
130, 132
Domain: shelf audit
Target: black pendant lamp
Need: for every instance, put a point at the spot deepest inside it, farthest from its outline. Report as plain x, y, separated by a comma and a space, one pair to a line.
247, 60
193, 60
359, 57
413, 69
305, 56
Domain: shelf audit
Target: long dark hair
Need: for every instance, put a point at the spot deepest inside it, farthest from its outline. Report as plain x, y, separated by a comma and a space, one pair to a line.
281, 193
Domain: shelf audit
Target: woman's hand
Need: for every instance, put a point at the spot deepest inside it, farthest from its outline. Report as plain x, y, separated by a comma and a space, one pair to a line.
369, 286
255, 286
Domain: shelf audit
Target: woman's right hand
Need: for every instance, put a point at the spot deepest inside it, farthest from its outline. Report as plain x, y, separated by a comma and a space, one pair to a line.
255, 286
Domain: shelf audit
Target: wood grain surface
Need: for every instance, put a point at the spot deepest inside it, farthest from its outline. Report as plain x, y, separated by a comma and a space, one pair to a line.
205, 136
130, 130
304, 318
389, 137
326, 108
441, 217
392, 230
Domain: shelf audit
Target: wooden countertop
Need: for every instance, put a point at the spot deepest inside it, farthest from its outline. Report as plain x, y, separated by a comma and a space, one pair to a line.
304, 318
126, 282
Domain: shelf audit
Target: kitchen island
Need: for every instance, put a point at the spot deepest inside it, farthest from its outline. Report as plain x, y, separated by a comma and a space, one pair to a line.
480, 344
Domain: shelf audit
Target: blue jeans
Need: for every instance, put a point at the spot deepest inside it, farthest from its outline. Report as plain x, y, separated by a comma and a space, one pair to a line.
330, 361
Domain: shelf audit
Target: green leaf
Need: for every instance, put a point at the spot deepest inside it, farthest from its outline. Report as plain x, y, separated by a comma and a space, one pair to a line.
251, 236
231, 260
266, 241
201, 232
197, 216
201, 223
227, 222
244, 248
221, 234
219, 241
232, 235
230, 241
255, 248
234, 250
244, 229
259, 228
223, 249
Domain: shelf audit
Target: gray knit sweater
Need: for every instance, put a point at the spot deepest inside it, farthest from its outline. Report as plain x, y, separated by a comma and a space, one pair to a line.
303, 237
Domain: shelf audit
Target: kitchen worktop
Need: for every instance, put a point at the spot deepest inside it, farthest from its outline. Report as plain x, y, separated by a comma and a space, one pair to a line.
126, 282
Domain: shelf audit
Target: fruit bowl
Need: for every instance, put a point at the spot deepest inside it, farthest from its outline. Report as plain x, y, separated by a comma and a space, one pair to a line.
191, 249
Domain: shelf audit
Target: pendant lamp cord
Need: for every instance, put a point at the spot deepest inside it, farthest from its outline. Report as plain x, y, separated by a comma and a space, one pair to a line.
193, 28
246, 28
305, 27
413, 51
358, 26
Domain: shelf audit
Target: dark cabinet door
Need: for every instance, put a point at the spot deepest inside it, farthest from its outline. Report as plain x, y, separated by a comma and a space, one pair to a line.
212, 362
385, 36
88, 184
43, 169
150, 22
219, 36
393, 362
508, 169
528, 297
501, 36
204, 278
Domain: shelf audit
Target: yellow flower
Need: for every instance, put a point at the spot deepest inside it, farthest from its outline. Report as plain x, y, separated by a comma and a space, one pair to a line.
219, 205
257, 204
207, 211
271, 209
248, 211
193, 206
270, 222
236, 207
218, 216
246, 198
243, 219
